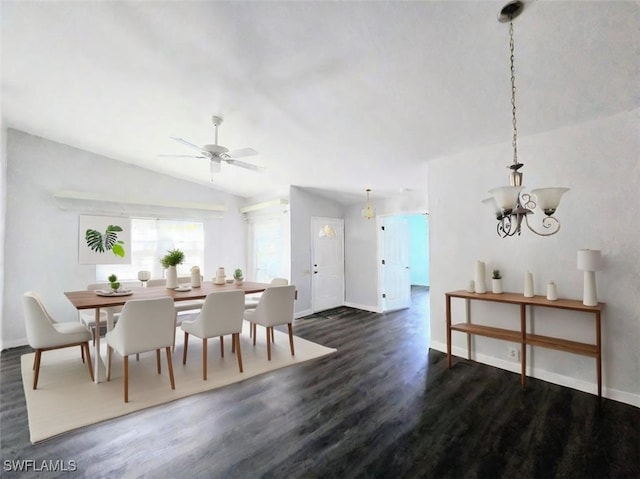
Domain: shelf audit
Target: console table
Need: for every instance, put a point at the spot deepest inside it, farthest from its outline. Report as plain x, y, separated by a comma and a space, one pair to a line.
521, 335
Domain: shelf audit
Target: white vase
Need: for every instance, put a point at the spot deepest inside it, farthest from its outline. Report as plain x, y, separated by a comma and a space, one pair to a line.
528, 285
479, 277
496, 285
552, 292
172, 277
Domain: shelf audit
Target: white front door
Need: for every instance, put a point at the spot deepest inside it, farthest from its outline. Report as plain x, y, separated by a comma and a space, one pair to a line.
327, 263
394, 264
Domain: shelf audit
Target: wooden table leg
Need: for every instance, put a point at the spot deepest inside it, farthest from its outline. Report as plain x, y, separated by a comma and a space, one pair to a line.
467, 317
96, 349
523, 345
448, 302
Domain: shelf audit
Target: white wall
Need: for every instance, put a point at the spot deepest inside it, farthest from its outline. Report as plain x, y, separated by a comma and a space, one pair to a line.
41, 240
600, 162
361, 260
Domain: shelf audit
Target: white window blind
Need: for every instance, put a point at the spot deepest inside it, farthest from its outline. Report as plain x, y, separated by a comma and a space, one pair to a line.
150, 241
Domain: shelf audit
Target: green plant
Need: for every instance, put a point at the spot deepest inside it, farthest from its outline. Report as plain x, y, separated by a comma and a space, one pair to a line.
173, 257
237, 274
100, 243
113, 282
496, 274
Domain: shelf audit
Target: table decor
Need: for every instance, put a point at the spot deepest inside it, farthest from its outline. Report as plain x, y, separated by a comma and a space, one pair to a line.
170, 261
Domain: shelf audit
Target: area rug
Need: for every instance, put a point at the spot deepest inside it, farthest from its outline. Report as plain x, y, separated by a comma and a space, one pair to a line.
66, 399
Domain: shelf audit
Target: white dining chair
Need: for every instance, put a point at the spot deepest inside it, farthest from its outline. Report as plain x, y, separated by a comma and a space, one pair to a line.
251, 301
108, 316
144, 325
44, 333
221, 314
274, 308
179, 306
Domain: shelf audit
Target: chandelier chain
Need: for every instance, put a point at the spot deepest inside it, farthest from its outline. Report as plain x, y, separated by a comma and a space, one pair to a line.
514, 141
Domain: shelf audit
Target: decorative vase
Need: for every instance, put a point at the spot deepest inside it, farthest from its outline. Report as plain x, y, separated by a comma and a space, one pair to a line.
172, 277
195, 277
496, 285
479, 277
239, 281
552, 292
528, 285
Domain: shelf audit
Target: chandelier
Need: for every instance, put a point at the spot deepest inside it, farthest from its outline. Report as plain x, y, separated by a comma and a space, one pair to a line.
368, 211
510, 204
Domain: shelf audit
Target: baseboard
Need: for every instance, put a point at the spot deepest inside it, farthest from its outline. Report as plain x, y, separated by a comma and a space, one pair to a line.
544, 375
14, 343
302, 314
364, 307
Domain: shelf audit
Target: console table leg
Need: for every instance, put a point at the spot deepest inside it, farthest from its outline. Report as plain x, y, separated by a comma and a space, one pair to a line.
598, 357
523, 345
448, 310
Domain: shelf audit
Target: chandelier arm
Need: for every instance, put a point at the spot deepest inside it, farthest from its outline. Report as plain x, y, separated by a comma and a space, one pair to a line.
548, 222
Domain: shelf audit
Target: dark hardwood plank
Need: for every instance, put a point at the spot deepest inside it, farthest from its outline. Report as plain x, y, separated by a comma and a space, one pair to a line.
383, 406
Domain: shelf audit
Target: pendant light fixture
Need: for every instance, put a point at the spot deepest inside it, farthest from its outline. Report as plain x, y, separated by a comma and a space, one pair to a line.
510, 204
368, 211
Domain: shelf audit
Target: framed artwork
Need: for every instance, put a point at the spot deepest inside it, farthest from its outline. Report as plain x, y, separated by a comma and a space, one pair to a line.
104, 240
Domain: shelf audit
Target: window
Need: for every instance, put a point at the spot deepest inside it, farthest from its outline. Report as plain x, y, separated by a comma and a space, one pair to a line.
150, 240
268, 248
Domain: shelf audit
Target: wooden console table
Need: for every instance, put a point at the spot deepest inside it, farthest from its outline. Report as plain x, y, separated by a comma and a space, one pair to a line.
521, 335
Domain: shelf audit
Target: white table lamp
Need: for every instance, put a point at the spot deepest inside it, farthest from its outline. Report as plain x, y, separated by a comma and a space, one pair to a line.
589, 261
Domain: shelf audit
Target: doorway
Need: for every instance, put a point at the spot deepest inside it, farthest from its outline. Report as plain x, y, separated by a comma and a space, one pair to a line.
403, 248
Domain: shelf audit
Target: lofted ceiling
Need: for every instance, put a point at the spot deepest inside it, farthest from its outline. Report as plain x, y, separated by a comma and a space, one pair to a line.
335, 96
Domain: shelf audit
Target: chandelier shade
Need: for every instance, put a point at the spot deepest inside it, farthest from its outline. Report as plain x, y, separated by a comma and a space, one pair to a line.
548, 199
506, 197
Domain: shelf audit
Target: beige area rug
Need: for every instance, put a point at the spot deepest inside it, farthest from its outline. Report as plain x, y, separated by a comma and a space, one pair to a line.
66, 399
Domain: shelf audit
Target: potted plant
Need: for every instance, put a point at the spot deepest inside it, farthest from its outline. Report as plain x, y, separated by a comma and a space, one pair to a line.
113, 282
238, 276
169, 262
496, 281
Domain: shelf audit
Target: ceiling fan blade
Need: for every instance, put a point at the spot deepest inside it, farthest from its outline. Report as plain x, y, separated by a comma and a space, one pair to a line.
190, 145
241, 153
181, 156
244, 164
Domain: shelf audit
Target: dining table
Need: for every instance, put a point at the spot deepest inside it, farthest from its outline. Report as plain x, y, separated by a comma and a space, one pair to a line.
88, 299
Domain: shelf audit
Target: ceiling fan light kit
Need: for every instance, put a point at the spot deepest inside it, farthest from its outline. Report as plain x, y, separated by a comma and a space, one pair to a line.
511, 206
216, 154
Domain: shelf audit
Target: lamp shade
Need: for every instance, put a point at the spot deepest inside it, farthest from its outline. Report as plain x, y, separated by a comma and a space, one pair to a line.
506, 197
549, 198
589, 260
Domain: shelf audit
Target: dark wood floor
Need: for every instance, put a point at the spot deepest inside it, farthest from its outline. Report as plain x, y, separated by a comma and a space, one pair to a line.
383, 406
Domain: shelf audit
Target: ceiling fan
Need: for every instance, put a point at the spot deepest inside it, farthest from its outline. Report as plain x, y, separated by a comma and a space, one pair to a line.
217, 153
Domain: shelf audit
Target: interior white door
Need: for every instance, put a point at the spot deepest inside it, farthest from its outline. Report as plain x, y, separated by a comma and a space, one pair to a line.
327, 263
395, 270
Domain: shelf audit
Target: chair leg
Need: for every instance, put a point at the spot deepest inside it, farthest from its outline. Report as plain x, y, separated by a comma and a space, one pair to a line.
170, 366
236, 342
204, 359
36, 367
109, 354
222, 346
175, 326
291, 338
254, 327
126, 379
82, 352
268, 342
251, 330
85, 346
233, 345
184, 350
158, 361
273, 337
